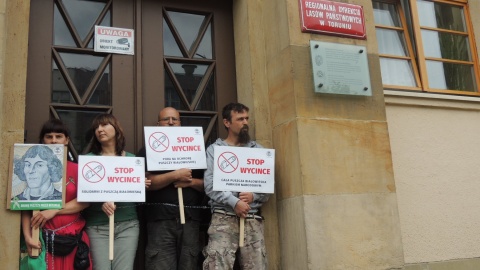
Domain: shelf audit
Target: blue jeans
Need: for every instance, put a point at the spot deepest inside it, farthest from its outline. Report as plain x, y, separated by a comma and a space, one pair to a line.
125, 245
172, 245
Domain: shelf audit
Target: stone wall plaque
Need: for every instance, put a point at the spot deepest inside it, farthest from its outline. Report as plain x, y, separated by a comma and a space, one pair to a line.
340, 69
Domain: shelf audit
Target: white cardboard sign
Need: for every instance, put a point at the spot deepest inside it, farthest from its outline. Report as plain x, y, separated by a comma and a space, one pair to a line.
107, 178
114, 40
243, 169
172, 148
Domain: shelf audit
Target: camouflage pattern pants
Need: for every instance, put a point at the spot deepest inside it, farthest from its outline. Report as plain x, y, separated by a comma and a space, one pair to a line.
223, 243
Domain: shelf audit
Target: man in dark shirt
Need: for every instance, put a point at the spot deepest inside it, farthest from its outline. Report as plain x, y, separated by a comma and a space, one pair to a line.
170, 244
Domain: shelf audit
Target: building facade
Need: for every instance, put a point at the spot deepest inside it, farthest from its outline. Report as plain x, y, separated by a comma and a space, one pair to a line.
383, 181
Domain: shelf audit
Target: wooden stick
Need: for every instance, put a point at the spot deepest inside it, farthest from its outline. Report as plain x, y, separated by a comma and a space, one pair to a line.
242, 232
180, 205
110, 237
36, 236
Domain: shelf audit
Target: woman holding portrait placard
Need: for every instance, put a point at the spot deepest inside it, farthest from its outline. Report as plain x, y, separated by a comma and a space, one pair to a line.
58, 225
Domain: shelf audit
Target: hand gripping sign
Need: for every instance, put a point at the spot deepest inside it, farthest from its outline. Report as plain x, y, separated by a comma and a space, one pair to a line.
243, 169
172, 148
115, 179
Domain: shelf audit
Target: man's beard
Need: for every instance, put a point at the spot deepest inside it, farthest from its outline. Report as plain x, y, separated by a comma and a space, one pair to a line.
243, 136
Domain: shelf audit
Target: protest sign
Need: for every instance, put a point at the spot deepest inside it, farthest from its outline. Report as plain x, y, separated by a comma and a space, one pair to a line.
109, 178
172, 148
244, 169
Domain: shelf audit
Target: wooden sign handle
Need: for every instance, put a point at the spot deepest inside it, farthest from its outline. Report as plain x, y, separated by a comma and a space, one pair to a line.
36, 236
111, 233
242, 232
180, 205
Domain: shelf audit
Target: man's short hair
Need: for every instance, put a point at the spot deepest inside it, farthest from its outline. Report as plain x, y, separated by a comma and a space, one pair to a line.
235, 107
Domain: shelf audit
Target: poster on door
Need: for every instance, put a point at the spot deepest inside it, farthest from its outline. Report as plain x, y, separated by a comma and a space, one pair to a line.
111, 178
243, 169
114, 40
172, 148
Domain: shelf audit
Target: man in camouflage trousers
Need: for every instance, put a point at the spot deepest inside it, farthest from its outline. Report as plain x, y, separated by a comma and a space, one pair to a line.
228, 206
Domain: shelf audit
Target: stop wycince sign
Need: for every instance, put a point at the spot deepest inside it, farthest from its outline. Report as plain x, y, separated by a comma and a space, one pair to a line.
332, 18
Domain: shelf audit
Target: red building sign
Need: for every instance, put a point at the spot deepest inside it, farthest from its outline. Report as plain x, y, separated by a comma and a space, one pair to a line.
333, 18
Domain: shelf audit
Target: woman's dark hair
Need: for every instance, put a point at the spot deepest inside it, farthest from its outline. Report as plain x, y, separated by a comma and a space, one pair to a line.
104, 119
54, 125
55, 168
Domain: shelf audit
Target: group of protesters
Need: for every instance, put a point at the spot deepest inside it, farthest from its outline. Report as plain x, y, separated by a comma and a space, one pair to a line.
170, 244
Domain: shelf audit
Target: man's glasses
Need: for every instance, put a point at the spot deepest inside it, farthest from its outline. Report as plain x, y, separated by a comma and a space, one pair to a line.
167, 119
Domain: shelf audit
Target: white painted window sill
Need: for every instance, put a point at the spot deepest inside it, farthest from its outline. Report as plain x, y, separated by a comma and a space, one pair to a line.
410, 98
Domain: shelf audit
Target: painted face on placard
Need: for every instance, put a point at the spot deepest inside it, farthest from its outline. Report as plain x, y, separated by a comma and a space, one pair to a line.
36, 172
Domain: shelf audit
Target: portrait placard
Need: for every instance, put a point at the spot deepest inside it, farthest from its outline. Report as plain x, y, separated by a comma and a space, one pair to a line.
172, 148
111, 178
37, 173
243, 169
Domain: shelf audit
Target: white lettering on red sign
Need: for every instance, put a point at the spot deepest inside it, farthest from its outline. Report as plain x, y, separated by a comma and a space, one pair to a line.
332, 17
112, 32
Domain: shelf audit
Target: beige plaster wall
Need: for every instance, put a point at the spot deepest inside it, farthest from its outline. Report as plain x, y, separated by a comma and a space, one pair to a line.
435, 149
435, 154
14, 17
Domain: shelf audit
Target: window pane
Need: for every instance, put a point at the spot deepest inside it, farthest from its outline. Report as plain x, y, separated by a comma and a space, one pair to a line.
170, 46
83, 14
445, 45
441, 16
397, 72
105, 22
189, 76
62, 36
60, 91
207, 101
451, 76
81, 69
205, 49
391, 42
386, 14
172, 99
102, 95
187, 25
